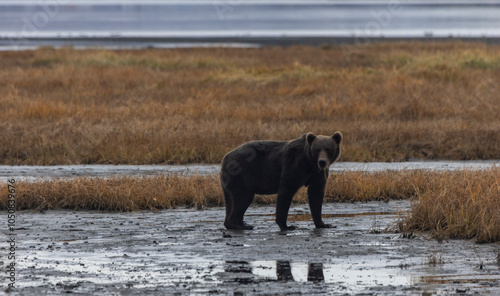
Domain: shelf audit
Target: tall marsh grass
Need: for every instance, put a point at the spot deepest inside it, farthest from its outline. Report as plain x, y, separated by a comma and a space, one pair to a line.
462, 204
118, 193
392, 102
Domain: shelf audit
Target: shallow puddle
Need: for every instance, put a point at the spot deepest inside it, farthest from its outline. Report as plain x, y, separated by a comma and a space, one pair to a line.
287, 271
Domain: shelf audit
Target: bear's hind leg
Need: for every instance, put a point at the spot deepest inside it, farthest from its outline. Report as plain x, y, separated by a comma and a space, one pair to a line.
228, 201
239, 205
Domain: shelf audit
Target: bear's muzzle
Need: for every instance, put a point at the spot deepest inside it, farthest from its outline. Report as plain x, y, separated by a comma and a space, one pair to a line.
323, 161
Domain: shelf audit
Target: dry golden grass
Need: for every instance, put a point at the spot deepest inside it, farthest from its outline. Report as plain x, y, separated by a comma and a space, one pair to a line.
462, 204
118, 193
391, 101
171, 191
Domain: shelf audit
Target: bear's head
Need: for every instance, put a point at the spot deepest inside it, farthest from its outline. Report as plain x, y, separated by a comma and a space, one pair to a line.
323, 150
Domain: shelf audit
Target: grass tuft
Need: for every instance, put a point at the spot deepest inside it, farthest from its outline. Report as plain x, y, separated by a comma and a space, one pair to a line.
462, 204
435, 259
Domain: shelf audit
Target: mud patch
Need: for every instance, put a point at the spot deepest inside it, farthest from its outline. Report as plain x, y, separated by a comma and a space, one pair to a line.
189, 252
308, 217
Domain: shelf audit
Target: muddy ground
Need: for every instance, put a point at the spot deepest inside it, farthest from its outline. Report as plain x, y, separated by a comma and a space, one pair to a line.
187, 251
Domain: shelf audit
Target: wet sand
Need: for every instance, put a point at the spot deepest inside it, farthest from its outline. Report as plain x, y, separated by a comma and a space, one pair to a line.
187, 251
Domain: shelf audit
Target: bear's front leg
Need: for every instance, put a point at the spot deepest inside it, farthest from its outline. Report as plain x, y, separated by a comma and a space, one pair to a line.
315, 194
285, 196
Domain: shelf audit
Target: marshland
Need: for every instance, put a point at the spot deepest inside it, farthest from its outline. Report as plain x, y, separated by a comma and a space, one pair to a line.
393, 102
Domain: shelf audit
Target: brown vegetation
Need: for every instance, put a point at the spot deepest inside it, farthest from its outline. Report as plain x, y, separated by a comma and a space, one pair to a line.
171, 191
391, 101
118, 193
462, 204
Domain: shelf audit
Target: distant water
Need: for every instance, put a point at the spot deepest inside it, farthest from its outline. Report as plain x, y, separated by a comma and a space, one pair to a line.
103, 171
238, 22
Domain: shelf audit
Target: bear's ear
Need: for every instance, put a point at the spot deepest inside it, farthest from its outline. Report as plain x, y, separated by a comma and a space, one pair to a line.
337, 137
310, 137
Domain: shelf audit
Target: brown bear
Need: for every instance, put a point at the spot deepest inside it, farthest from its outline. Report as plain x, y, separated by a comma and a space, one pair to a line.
270, 167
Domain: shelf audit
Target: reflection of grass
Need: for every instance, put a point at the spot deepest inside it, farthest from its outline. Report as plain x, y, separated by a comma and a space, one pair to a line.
461, 204
391, 101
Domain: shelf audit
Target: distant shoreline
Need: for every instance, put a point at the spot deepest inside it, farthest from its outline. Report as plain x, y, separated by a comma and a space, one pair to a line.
245, 41
160, 24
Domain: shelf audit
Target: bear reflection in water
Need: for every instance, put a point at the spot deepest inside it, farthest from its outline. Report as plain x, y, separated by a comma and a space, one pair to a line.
248, 271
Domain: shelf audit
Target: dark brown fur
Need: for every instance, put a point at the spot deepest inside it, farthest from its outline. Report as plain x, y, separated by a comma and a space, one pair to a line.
270, 167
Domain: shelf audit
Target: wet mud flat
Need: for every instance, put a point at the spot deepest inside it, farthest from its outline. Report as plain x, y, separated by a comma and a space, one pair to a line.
187, 251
